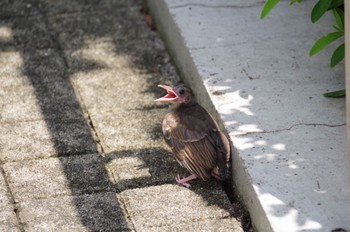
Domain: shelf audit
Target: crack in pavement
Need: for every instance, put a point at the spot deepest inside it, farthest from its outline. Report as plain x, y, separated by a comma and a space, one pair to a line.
216, 6
290, 128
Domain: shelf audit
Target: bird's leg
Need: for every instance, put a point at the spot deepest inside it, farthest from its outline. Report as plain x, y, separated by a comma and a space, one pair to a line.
183, 181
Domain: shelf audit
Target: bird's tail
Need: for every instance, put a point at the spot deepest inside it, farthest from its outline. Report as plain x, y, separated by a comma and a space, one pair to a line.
221, 172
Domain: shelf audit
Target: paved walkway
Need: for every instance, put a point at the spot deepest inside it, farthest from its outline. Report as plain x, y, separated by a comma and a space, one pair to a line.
80, 136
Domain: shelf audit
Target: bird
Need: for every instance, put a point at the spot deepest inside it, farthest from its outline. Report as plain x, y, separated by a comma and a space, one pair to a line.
194, 137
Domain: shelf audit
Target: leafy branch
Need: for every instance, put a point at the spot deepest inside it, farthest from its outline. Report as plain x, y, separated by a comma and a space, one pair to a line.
319, 9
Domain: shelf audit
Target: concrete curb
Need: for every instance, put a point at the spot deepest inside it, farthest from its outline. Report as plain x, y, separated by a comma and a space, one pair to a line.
189, 73
174, 26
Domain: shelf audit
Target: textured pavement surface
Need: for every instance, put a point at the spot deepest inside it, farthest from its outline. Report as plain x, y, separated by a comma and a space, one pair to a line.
80, 136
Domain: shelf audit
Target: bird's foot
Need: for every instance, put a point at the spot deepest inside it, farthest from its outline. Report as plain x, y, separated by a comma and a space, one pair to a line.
183, 181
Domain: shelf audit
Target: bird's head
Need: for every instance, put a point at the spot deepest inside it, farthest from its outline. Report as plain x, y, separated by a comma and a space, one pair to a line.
177, 94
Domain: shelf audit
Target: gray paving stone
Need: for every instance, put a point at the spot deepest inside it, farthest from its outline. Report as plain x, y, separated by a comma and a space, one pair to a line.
4, 195
202, 225
29, 33
128, 93
56, 100
20, 141
42, 139
8, 220
68, 6
43, 66
57, 176
125, 130
94, 57
23, 75
168, 205
12, 9
90, 212
11, 64
19, 103
77, 30
135, 56
109, 81
142, 167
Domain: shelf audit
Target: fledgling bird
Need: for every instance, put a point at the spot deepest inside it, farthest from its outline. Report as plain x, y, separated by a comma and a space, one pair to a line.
194, 137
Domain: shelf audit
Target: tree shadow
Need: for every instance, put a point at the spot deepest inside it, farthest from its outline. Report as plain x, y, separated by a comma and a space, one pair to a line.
45, 66
157, 166
48, 35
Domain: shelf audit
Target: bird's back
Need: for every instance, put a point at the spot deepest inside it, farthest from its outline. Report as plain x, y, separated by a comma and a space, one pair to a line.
196, 141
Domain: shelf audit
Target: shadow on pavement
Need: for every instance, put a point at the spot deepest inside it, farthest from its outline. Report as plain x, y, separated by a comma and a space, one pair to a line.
46, 33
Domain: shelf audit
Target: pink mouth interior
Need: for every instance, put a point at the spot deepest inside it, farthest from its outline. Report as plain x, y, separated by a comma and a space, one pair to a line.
170, 96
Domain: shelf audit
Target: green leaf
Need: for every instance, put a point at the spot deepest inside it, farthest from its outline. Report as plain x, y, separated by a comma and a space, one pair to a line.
337, 28
339, 18
319, 9
324, 42
294, 1
338, 55
335, 94
335, 4
269, 5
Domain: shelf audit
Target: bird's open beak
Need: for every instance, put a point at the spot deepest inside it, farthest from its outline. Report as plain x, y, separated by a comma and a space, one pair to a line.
170, 96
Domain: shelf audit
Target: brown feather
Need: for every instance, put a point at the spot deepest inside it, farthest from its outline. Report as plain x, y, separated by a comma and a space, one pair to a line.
196, 141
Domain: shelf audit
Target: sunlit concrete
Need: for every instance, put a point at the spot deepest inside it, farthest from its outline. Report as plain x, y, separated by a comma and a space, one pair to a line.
289, 161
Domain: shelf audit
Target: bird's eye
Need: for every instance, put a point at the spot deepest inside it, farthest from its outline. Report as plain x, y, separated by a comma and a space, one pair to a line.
181, 91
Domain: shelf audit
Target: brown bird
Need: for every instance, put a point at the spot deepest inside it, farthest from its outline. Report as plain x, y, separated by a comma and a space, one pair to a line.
194, 137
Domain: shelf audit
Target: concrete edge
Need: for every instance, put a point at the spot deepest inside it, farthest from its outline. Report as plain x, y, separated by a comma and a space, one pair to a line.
347, 86
171, 34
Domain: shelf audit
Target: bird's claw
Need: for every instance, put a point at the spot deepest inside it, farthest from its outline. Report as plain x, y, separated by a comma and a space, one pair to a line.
180, 181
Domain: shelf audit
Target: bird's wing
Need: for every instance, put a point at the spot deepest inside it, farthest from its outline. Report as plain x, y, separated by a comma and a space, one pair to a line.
194, 142
181, 129
198, 157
